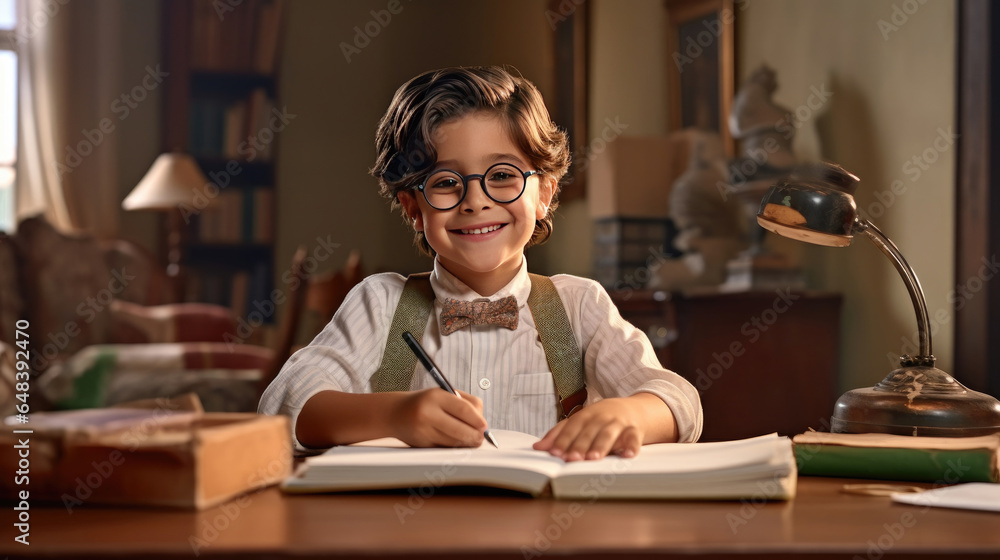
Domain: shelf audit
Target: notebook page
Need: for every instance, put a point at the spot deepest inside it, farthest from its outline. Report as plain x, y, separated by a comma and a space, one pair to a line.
515, 453
676, 458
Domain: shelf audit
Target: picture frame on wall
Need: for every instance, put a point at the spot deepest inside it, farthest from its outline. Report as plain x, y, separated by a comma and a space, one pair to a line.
701, 38
569, 21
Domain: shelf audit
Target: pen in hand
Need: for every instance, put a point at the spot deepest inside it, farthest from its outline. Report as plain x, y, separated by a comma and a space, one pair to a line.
428, 364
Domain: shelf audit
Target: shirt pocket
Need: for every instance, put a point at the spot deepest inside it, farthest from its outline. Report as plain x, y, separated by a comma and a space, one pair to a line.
531, 403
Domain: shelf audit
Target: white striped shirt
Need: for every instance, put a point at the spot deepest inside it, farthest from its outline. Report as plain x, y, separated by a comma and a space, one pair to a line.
505, 368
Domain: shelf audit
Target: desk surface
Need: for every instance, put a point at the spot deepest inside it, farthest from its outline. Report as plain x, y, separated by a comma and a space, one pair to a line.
821, 522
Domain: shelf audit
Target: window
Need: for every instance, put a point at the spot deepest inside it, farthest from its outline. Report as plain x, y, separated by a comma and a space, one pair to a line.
8, 113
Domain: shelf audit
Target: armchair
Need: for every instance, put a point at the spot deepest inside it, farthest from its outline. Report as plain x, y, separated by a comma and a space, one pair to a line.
96, 340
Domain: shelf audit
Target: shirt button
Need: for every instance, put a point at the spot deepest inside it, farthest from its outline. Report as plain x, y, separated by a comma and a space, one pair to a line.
484, 383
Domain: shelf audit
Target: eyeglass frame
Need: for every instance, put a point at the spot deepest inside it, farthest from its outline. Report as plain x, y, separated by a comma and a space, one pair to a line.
482, 184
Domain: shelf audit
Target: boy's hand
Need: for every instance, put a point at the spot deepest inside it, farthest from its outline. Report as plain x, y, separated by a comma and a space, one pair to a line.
616, 425
436, 418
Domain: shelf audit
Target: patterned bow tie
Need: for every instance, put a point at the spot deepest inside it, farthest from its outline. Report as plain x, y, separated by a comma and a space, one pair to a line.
457, 314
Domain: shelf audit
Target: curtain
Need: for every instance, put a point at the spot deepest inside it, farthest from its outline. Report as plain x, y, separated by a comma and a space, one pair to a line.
69, 75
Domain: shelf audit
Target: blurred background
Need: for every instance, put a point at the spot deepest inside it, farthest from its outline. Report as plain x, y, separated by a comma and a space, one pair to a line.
288, 96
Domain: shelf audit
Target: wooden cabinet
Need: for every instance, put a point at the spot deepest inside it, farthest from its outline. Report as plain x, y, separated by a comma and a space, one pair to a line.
762, 361
221, 107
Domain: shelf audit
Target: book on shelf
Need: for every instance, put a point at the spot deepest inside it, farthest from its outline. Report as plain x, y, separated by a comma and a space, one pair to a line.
238, 215
244, 290
893, 457
222, 127
762, 467
242, 36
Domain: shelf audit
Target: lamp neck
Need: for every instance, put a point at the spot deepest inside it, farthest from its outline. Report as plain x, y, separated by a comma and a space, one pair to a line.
926, 356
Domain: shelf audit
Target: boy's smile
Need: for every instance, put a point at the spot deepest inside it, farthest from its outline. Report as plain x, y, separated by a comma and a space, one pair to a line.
480, 232
480, 241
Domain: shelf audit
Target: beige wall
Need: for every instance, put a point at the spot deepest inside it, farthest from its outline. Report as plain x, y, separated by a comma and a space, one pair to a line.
628, 87
891, 93
139, 135
889, 97
326, 150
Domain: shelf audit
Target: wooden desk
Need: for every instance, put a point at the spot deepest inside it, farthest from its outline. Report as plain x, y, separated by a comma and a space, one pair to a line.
821, 522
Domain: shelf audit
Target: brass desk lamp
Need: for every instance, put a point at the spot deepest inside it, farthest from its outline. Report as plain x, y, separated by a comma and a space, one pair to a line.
816, 205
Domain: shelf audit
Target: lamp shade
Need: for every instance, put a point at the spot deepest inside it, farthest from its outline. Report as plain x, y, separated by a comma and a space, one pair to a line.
814, 204
168, 183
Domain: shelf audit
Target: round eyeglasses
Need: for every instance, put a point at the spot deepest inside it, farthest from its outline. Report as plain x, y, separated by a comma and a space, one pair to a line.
445, 189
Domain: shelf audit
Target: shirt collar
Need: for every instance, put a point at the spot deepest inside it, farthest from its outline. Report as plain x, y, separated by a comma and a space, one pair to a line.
447, 285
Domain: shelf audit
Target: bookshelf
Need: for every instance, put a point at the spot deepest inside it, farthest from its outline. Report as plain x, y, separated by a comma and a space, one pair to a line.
220, 105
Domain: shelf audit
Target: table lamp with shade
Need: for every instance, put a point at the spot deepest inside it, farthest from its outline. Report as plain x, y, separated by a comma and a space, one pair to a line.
172, 181
816, 204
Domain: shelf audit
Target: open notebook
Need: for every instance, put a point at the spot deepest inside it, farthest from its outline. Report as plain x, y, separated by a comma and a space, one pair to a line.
760, 467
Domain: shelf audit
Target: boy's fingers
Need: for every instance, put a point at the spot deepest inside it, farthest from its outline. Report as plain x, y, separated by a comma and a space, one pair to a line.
585, 440
629, 443
464, 410
601, 445
451, 432
476, 401
545, 443
565, 443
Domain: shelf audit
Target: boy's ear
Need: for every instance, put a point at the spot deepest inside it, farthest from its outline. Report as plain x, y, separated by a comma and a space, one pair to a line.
411, 210
546, 190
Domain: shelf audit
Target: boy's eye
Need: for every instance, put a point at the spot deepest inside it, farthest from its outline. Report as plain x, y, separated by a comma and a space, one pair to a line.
504, 175
445, 183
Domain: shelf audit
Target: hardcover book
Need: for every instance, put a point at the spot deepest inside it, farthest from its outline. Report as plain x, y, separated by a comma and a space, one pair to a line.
152, 457
893, 457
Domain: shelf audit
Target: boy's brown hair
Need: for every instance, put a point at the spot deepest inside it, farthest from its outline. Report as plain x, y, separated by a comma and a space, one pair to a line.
404, 153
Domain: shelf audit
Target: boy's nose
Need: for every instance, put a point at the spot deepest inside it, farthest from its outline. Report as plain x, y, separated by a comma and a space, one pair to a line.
475, 197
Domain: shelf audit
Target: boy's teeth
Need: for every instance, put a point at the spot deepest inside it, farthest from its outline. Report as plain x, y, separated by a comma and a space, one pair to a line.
481, 230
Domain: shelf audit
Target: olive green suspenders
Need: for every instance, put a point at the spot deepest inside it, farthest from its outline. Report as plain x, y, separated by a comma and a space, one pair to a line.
561, 351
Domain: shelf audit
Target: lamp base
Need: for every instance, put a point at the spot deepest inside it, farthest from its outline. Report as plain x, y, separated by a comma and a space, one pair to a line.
917, 400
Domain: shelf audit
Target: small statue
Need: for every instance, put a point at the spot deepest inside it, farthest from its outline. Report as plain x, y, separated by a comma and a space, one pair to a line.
711, 225
763, 126
765, 130
714, 202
